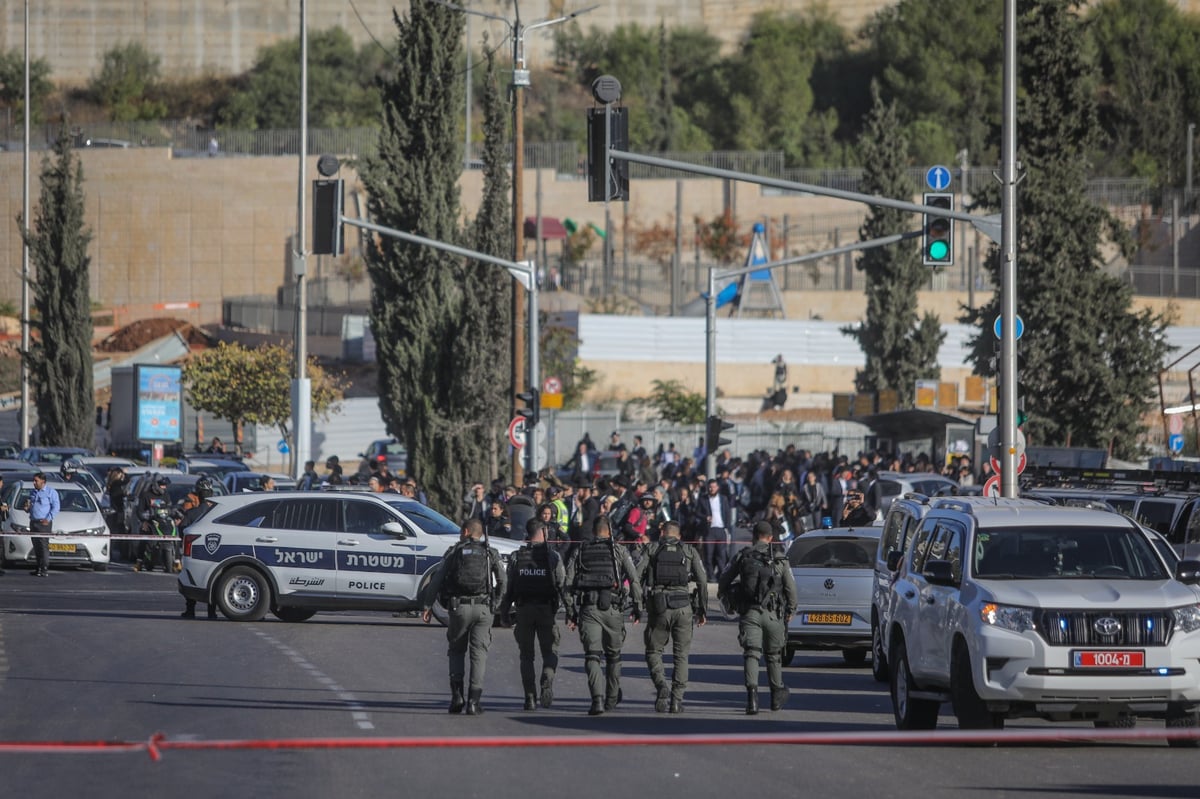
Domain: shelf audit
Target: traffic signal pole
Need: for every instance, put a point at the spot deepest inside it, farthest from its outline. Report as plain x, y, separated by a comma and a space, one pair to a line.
1008, 260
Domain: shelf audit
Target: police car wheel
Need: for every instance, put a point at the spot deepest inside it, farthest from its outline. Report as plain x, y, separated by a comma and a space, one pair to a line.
289, 614
243, 594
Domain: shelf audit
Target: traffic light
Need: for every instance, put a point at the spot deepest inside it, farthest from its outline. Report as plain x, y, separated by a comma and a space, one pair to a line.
533, 408
937, 239
712, 439
608, 178
327, 210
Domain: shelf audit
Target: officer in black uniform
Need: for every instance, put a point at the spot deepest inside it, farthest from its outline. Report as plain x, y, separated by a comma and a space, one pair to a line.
536, 578
468, 584
596, 605
192, 509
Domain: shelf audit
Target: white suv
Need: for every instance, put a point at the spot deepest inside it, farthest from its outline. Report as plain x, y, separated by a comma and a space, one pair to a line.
298, 553
1011, 608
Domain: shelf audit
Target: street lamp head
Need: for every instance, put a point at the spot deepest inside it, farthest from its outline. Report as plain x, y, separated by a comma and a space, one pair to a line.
606, 89
328, 165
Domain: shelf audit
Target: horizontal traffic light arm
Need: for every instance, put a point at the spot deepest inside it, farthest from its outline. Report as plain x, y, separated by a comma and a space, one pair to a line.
987, 225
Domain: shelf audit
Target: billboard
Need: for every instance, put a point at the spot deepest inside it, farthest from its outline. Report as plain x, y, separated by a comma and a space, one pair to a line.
159, 403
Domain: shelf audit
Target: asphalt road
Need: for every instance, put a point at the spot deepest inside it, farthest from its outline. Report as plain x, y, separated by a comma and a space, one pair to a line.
105, 658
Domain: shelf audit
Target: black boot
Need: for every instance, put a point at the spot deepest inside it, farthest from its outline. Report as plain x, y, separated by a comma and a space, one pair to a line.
530, 701
473, 707
676, 705
779, 698
610, 702
751, 701
547, 693
457, 702
662, 702
597, 708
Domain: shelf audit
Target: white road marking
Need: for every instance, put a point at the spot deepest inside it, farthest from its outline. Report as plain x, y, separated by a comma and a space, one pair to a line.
362, 719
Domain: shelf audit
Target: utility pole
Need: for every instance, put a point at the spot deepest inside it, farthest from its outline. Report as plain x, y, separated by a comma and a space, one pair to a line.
25, 253
1008, 260
301, 388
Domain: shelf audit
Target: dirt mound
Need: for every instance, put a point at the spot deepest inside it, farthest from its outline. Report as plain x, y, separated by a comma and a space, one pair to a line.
140, 333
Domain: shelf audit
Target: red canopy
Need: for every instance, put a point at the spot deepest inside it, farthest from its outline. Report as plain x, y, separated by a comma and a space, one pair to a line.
551, 228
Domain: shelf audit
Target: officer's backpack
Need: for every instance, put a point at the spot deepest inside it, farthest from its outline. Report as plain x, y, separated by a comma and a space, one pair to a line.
533, 573
756, 577
669, 566
619, 512
473, 568
597, 565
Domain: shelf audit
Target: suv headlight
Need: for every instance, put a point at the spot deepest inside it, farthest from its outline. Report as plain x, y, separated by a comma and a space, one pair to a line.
1187, 618
95, 531
1006, 617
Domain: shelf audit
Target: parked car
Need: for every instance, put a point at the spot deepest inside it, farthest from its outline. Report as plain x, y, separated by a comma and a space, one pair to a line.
212, 464
899, 526
236, 482
10, 449
834, 573
84, 535
384, 450
1012, 608
297, 553
890, 485
99, 465
51, 457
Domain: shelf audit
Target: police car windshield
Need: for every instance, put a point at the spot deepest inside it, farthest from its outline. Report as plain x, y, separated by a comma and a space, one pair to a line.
1039, 553
429, 520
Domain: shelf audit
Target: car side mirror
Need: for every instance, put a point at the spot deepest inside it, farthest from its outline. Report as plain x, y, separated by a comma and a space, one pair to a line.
940, 572
1188, 571
893, 559
396, 529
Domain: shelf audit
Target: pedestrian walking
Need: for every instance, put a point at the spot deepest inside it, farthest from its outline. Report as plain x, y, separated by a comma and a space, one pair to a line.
467, 585
43, 507
596, 607
536, 579
760, 587
673, 605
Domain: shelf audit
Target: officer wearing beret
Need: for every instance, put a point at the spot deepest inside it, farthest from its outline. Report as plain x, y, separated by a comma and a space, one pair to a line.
536, 578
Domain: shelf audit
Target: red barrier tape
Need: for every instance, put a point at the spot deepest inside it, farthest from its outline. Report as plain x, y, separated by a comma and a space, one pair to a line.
158, 743
102, 535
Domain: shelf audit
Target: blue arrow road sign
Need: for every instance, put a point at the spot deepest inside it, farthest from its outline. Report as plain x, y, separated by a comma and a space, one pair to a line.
1020, 331
1175, 443
937, 178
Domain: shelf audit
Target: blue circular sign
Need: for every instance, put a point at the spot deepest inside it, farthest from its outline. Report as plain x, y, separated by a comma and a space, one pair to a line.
1175, 443
937, 178
998, 329
282, 446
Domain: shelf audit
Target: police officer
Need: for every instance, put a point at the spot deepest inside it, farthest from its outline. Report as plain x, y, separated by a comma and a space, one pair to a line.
536, 579
154, 510
597, 575
666, 573
759, 585
191, 510
468, 584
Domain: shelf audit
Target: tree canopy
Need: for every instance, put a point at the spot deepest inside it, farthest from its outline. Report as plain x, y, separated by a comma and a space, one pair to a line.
254, 384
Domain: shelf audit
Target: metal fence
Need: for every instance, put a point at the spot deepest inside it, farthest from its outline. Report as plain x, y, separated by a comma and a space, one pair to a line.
265, 315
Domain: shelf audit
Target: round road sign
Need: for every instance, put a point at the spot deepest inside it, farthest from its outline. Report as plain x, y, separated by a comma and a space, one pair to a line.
991, 488
551, 385
516, 432
1175, 424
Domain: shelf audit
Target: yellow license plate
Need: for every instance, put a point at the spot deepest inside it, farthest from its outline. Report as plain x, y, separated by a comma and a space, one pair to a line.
827, 618
62, 547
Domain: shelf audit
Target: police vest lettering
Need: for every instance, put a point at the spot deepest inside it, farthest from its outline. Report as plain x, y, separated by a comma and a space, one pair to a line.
757, 576
671, 567
597, 565
534, 575
471, 572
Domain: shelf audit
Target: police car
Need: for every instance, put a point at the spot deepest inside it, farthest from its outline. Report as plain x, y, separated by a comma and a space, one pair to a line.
299, 553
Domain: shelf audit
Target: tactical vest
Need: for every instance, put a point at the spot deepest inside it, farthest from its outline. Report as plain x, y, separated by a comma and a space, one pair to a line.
471, 573
757, 575
597, 565
670, 566
533, 575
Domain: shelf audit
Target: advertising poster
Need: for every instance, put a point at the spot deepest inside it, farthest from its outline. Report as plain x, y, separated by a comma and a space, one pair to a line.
159, 403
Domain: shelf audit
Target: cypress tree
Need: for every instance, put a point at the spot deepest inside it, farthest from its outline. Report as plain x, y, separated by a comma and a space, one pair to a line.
60, 361
484, 347
412, 185
900, 348
1087, 362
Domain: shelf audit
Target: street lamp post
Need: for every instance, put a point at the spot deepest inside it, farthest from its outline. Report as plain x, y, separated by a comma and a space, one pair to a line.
25, 253
301, 387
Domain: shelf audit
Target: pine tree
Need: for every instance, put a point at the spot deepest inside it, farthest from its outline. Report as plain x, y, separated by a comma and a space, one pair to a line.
1087, 363
900, 349
484, 344
60, 361
412, 185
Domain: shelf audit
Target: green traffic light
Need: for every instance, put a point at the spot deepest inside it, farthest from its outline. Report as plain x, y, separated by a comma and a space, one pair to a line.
938, 250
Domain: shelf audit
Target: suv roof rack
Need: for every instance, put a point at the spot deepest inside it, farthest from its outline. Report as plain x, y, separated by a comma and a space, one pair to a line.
1142, 480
